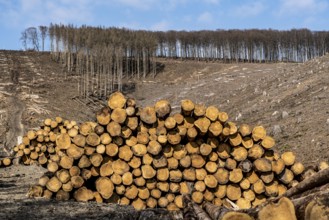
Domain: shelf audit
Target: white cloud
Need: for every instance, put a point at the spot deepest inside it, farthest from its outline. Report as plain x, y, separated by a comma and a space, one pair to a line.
205, 17
25, 13
161, 26
252, 9
302, 6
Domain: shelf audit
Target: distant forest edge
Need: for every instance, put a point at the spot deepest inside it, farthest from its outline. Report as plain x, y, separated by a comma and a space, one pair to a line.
104, 56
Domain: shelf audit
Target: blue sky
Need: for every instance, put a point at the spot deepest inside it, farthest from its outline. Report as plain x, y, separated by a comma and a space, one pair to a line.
16, 15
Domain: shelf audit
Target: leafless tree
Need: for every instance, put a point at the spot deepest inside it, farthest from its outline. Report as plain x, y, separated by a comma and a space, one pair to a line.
43, 32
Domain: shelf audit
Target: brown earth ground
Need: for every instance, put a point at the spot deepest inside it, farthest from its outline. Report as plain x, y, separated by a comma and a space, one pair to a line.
290, 100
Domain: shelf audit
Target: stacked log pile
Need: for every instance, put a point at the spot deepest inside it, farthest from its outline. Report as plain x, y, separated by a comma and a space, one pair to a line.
147, 157
5, 162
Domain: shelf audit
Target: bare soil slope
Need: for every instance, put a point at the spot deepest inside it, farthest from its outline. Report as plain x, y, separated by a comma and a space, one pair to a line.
290, 100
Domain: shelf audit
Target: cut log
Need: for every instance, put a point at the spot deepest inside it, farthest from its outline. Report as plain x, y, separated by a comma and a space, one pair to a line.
243, 203
52, 167
222, 117
187, 107
235, 175
170, 123
197, 197
298, 168
288, 158
323, 165
54, 184
239, 153
179, 152
131, 102
62, 195
244, 130
210, 181
258, 133
114, 129
233, 192
268, 142
200, 186
63, 175
130, 111
202, 124
163, 186
205, 149
252, 177
98, 198
147, 159
199, 110
211, 167
259, 200
230, 164
163, 174
246, 166
63, 141
120, 167
162, 108
247, 142
317, 179
132, 123
215, 128
222, 175
127, 179
119, 115
135, 162
197, 161
267, 177
138, 204
103, 117
163, 202
286, 176
212, 113
284, 210
84, 162
278, 166
263, 165
116, 179
139, 150
154, 147
35, 191
67, 187
105, 187
117, 100
148, 115
179, 118
255, 152
77, 181
224, 151
236, 215
191, 133
249, 195
244, 184
175, 176
148, 172
185, 161
200, 174
74, 171
173, 137
125, 153
258, 187
272, 189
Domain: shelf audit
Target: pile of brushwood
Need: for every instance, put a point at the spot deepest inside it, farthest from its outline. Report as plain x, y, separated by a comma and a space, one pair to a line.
195, 161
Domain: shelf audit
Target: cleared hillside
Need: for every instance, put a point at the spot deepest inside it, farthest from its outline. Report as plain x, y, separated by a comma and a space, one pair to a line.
290, 100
